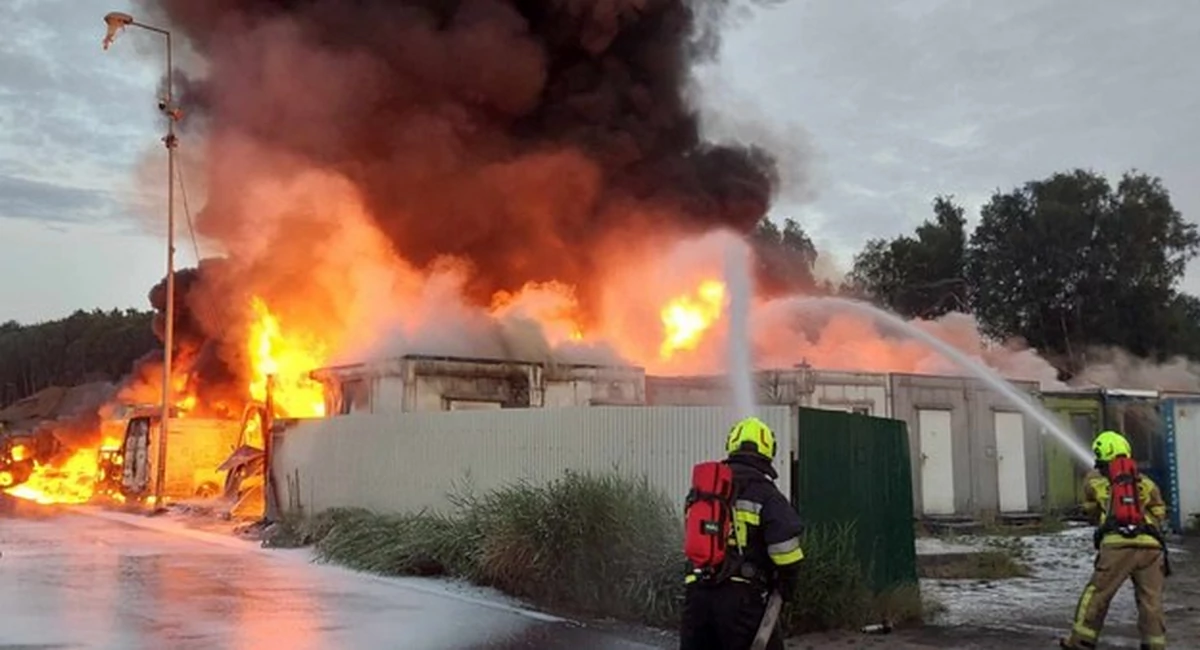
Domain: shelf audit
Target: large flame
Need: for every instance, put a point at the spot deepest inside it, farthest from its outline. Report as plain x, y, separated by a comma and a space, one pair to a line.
551, 304
71, 482
275, 354
288, 360
685, 319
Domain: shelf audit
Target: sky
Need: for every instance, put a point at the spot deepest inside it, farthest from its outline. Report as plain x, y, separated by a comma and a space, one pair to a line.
872, 109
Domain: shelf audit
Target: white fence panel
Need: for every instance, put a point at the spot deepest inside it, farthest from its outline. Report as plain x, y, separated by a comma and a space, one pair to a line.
402, 462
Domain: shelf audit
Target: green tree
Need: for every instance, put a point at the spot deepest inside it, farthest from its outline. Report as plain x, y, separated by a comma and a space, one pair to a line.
83, 347
1069, 261
921, 276
787, 258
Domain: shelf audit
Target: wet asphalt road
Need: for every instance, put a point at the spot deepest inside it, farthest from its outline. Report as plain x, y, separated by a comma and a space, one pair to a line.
73, 581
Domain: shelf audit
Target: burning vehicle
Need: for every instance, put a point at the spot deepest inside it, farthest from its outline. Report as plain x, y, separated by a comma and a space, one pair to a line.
198, 461
16, 460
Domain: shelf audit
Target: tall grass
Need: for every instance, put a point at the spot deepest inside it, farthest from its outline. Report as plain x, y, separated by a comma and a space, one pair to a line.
832, 591
594, 545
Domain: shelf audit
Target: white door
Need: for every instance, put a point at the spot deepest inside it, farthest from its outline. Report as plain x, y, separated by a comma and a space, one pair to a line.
1187, 460
937, 462
1010, 461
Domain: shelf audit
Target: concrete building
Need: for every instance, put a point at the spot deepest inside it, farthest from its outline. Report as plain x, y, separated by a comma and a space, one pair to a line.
974, 454
424, 383
865, 393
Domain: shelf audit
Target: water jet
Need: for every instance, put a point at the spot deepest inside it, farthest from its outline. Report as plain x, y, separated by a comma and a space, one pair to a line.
1018, 399
740, 288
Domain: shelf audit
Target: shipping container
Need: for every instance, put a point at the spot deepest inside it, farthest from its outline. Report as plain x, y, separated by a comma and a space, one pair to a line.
1081, 412
1181, 432
974, 453
1135, 413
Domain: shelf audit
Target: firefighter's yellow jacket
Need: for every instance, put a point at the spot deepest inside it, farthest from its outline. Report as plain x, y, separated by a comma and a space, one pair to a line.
1096, 491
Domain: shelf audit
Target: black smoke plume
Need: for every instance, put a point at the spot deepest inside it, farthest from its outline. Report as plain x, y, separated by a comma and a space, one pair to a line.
203, 367
528, 137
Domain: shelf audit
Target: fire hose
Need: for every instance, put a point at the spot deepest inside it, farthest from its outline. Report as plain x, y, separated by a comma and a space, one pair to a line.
770, 617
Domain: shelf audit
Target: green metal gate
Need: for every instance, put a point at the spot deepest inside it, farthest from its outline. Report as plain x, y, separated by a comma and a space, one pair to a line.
856, 469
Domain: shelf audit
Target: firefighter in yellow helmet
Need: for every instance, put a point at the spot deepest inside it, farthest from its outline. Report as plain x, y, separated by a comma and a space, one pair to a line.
1135, 551
724, 611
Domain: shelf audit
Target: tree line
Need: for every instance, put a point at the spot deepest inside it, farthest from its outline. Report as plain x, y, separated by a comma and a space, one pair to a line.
81, 348
1065, 263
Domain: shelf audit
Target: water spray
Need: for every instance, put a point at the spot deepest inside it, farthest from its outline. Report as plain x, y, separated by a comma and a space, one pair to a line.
1017, 398
740, 286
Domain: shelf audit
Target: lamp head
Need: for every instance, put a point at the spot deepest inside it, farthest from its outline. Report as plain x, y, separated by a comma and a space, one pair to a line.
116, 21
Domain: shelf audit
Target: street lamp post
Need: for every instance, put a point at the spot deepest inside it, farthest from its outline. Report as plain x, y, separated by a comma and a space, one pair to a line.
116, 21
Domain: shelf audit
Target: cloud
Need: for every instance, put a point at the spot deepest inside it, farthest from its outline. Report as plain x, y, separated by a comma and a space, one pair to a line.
910, 99
77, 267
73, 118
24, 198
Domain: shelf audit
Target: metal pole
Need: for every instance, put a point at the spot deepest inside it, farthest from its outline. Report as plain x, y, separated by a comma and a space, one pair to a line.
117, 21
270, 496
169, 334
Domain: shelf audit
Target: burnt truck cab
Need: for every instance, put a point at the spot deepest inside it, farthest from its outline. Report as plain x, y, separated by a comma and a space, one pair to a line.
244, 469
196, 448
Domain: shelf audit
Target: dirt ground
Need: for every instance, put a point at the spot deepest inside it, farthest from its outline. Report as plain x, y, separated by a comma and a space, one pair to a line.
1034, 612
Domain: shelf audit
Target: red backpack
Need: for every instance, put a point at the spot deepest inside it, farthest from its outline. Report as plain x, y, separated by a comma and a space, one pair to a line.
708, 516
1125, 514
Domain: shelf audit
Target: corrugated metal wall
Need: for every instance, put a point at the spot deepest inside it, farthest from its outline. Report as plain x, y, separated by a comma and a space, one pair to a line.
972, 406
397, 462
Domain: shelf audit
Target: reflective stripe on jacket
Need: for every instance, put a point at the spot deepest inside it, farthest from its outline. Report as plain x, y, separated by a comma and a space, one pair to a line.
766, 527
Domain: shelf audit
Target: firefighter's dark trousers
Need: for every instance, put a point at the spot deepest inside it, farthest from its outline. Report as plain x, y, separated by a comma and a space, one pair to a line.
1113, 566
724, 617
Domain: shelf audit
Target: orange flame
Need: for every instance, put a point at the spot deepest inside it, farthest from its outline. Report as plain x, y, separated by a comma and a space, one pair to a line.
72, 482
686, 318
19, 452
288, 358
551, 304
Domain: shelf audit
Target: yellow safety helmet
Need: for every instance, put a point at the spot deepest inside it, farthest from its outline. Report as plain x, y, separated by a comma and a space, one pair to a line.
1110, 444
751, 434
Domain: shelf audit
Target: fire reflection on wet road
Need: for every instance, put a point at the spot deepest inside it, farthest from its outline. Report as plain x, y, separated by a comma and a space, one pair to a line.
72, 581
